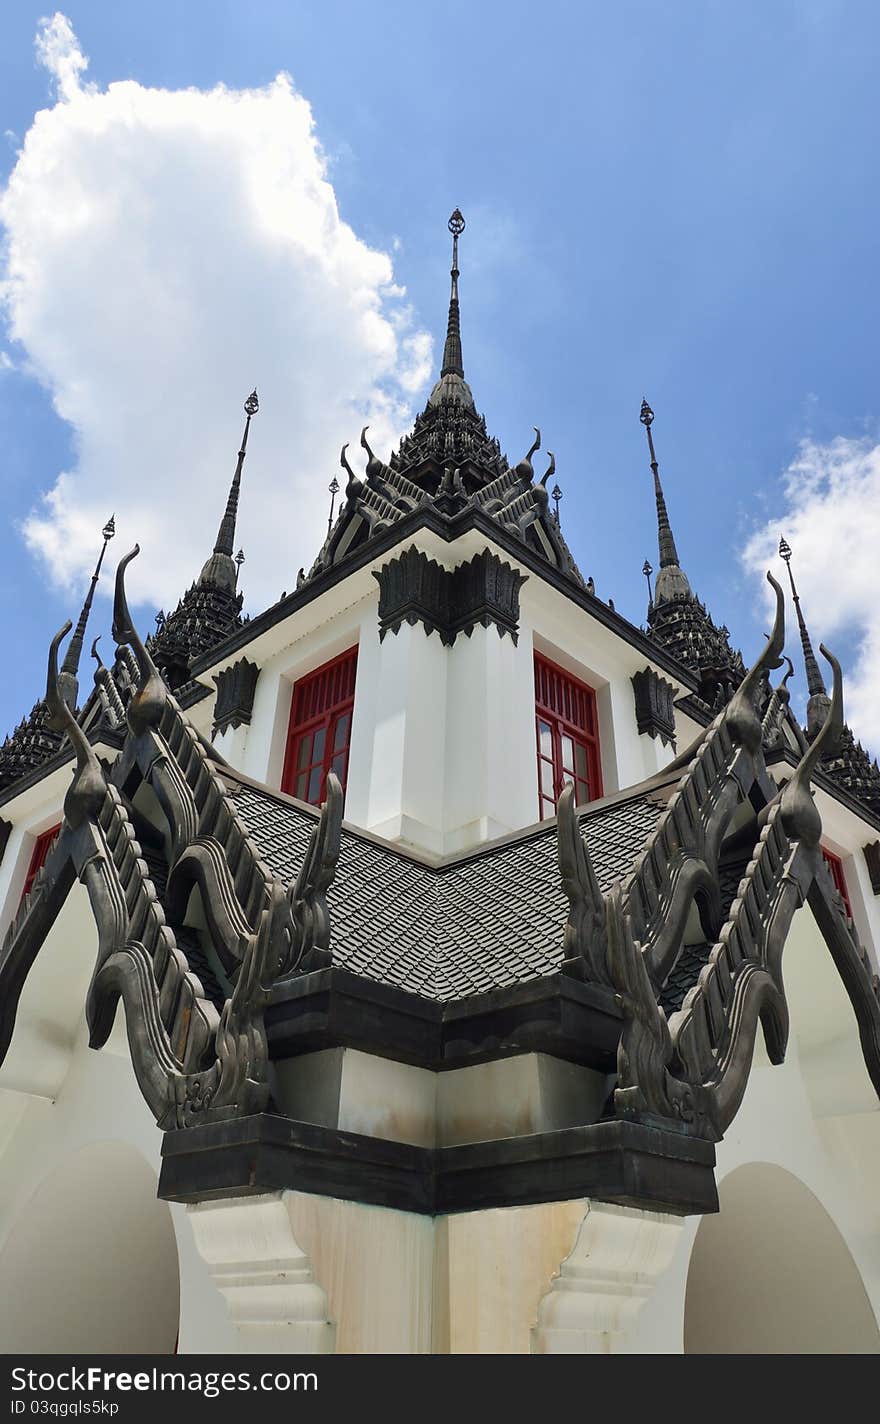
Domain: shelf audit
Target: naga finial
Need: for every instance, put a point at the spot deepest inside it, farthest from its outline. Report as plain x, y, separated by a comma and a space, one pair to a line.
797, 807
145, 708
87, 789
740, 713
551, 469
354, 486
525, 469
374, 464
95, 654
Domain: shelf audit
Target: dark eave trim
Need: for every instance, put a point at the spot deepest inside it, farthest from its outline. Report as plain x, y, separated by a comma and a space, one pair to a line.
622, 1162
334, 1008
448, 530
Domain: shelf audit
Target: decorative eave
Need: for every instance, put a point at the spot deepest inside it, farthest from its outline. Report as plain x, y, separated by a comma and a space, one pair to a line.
449, 530
415, 589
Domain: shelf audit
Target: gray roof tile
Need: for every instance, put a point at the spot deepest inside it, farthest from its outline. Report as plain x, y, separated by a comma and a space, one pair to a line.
488, 921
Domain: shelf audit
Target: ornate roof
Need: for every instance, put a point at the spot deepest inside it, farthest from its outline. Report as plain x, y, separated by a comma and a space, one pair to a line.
211, 607
296, 931
37, 739
449, 463
677, 620
847, 762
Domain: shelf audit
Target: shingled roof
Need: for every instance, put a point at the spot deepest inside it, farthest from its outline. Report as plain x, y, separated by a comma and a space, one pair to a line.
487, 920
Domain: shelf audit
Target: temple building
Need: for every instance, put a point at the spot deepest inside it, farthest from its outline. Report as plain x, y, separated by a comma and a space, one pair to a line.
435, 961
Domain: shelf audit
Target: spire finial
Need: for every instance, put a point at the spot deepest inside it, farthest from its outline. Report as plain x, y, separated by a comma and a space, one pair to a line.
556, 496
815, 681
453, 364
226, 535
647, 570
668, 551
333, 490
67, 678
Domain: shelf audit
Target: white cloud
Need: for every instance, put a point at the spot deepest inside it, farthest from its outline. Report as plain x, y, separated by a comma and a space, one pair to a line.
831, 518
167, 251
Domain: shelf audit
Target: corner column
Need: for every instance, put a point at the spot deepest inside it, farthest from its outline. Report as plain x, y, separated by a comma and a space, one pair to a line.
617, 1260
263, 1274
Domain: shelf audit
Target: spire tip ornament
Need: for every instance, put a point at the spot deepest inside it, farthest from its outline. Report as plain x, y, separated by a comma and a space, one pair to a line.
453, 362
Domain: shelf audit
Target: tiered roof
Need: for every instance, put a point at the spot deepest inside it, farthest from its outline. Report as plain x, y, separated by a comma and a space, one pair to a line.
211, 607
677, 620
449, 464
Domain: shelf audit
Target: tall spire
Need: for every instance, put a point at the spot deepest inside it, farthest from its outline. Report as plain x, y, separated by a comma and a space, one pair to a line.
818, 700
226, 535
67, 678
673, 584
453, 364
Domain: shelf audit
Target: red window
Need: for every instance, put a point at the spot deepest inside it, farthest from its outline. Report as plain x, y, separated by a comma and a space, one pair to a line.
835, 865
39, 856
567, 730
319, 734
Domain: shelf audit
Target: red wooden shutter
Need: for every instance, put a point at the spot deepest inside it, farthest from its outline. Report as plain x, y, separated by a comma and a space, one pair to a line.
835, 865
567, 732
319, 734
40, 854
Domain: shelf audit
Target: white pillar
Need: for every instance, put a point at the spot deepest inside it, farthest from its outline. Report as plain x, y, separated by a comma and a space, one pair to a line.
492, 781
395, 786
618, 1258
266, 1279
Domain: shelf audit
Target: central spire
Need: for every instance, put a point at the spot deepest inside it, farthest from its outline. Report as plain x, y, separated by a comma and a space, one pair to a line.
226, 534
220, 568
452, 386
453, 364
672, 581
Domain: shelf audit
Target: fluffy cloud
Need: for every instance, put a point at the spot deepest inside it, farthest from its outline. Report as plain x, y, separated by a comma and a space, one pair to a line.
831, 518
165, 252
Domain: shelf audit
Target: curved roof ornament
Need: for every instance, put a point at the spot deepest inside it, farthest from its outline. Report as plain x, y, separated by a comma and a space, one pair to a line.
797, 807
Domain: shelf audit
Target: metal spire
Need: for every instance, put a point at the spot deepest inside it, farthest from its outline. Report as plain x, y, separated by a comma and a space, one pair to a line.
815, 682
333, 490
452, 357
226, 535
647, 570
556, 496
668, 551
67, 678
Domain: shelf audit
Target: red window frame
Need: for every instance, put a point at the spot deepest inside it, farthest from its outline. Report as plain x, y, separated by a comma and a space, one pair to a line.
566, 736
319, 731
39, 855
835, 865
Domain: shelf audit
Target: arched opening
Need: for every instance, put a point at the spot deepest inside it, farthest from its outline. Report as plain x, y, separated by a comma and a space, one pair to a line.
771, 1274
91, 1261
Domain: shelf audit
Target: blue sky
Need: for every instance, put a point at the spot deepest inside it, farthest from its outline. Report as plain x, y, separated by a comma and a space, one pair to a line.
672, 200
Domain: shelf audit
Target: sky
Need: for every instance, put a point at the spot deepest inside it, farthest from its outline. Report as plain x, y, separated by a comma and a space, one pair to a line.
663, 200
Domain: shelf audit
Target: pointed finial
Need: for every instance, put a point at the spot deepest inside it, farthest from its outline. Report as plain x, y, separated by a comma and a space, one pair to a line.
556, 496
453, 363
333, 488
68, 683
226, 534
815, 681
647, 570
673, 585
239, 560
